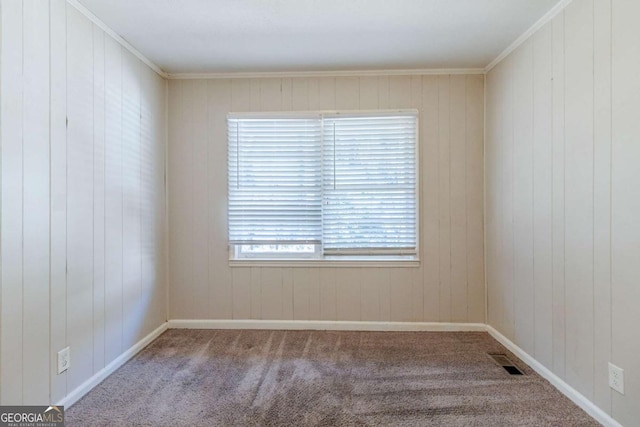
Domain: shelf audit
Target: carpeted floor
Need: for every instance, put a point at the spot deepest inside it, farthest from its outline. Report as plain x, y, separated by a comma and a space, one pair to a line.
312, 378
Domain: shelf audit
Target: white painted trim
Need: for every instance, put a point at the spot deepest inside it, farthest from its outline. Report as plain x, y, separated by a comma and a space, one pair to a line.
336, 73
325, 325
101, 375
322, 325
93, 18
321, 263
531, 31
577, 398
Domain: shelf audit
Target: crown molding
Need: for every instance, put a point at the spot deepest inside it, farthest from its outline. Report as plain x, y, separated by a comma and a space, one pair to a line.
93, 18
336, 73
559, 7
555, 10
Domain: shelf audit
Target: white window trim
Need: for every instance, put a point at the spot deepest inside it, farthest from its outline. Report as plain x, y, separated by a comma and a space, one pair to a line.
388, 261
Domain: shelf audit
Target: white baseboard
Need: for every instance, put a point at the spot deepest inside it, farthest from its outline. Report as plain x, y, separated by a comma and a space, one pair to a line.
86, 386
324, 325
577, 398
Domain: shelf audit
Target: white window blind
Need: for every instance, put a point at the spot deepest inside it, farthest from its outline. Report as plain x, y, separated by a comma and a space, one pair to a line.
342, 183
369, 184
275, 193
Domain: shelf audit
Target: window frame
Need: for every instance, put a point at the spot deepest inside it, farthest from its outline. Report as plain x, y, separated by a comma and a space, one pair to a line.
318, 258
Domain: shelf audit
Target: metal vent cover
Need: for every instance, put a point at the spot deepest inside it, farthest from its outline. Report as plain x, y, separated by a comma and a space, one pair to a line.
506, 363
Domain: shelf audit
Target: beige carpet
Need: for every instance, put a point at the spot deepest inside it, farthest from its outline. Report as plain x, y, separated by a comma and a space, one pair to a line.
311, 378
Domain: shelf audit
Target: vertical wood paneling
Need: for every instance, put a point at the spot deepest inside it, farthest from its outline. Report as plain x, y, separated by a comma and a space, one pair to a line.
399, 91
220, 281
417, 274
430, 198
347, 91
270, 94
160, 237
314, 95
255, 287
368, 93
254, 94
579, 195
384, 284
36, 160
62, 199
602, 202
328, 299
542, 193
585, 204
383, 92
287, 293
180, 212
370, 288
241, 279
474, 193
301, 294
113, 200
348, 291
326, 93
523, 195
299, 94
417, 294
558, 208
11, 312
313, 278
200, 202
272, 296
131, 207
458, 202
152, 195
400, 294
58, 203
148, 202
331, 293
79, 196
625, 206
286, 86
161, 142
99, 159
508, 178
306, 293
502, 302
493, 194
444, 189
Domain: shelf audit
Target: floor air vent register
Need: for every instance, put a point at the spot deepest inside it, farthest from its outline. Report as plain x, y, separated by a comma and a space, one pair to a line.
506, 363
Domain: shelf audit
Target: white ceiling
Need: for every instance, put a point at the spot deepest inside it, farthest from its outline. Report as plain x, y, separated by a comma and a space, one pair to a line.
193, 36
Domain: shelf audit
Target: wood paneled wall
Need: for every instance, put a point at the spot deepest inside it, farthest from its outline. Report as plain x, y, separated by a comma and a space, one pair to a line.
563, 200
449, 284
83, 226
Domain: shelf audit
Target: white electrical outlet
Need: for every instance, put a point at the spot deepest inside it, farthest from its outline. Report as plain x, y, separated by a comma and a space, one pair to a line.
64, 359
616, 378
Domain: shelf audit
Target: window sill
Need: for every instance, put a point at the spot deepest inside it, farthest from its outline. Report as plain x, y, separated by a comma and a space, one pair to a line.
378, 262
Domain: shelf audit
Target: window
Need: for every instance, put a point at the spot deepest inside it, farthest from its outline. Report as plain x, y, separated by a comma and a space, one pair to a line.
323, 185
